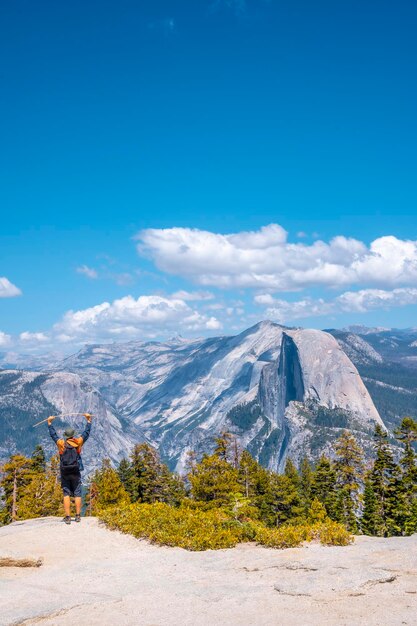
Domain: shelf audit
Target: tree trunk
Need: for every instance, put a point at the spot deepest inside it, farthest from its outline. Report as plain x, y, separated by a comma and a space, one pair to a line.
14, 497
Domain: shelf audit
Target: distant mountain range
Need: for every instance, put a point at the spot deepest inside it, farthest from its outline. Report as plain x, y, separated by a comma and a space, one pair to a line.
282, 391
387, 362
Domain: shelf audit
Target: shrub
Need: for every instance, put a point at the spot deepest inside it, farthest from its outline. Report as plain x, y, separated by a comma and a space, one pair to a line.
184, 527
333, 534
281, 537
290, 536
195, 528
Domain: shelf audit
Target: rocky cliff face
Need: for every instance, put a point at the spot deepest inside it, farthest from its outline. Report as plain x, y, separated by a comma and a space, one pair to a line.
387, 361
284, 392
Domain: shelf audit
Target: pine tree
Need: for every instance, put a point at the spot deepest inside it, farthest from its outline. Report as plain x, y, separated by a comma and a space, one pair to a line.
253, 482
42, 496
149, 480
17, 474
292, 473
407, 434
317, 512
106, 489
282, 501
146, 469
369, 514
305, 485
252, 477
225, 446
173, 489
349, 469
125, 473
191, 462
384, 480
39, 459
214, 480
324, 486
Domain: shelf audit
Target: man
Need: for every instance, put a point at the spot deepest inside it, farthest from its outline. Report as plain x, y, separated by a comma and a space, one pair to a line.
71, 465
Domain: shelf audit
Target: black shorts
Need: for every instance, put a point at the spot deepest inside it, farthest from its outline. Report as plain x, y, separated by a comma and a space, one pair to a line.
71, 485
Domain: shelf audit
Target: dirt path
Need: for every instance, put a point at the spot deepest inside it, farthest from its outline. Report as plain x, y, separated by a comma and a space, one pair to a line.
97, 577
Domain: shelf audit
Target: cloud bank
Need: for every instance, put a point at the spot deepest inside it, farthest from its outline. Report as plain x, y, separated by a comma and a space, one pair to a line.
265, 259
127, 317
361, 301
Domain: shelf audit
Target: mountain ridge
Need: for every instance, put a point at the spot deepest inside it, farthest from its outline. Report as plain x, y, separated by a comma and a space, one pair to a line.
283, 392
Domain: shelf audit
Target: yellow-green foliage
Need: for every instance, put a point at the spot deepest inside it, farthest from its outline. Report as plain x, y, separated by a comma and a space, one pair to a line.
290, 536
184, 527
333, 534
42, 497
105, 489
195, 528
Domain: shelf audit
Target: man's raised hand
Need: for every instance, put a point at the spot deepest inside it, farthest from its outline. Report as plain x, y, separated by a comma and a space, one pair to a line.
51, 419
88, 417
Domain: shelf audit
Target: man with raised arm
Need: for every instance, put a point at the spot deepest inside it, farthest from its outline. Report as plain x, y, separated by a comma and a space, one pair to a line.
71, 465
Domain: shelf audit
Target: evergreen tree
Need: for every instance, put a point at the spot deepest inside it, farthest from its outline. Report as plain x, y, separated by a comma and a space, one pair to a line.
252, 477
106, 489
191, 462
324, 486
407, 434
349, 469
292, 473
149, 480
39, 459
282, 500
306, 485
226, 446
214, 480
145, 483
125, 473
42, 496
317, 512
17, 473
176, 488
253, 482
384, 480
369, 514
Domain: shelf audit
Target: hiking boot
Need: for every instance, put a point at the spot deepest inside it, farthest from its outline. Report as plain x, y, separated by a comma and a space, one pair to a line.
77, 518
67, 519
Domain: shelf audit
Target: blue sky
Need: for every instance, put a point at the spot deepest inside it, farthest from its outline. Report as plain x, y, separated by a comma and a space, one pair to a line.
178, 127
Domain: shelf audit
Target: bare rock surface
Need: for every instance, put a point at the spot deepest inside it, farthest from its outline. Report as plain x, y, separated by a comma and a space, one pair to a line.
91, 575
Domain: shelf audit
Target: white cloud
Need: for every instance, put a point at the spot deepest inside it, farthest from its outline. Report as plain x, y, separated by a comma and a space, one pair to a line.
193, 295
7, 289
349, 302
123, 278
265, 259
283, 311
213, 324
126, 318
369, 299
33, 337
90, 272
216, 306
5, 340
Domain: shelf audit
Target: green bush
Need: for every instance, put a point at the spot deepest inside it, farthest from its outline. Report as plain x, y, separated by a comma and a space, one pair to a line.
331, 533
281, 537
290, 536
195, 528
184, 527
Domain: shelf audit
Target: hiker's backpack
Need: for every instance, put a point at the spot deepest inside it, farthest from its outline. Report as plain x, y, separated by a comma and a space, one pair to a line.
69, 460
